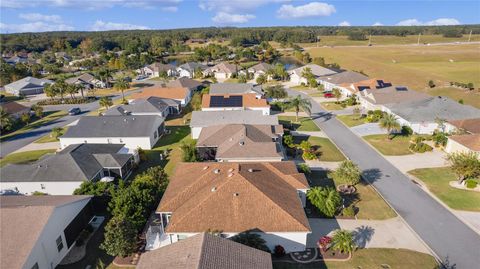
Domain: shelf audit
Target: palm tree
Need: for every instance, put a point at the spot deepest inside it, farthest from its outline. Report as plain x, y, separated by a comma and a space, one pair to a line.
105, 102
80, 88
343, 240
72, 89
299, 103
389, 122
122, 85
60, 87
50, 90
6, 120
347, 172
326, 199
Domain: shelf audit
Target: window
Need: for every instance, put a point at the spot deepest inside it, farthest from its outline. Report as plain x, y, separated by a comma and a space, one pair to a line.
35, 266
42, 186
59, 243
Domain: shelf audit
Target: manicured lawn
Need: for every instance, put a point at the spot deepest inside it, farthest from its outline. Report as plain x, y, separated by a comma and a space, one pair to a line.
49, 117
437, 180
331, 106
305, 123
351, 120
330, 153
372, 258
397, 146
24, 157
370, 205
300, 88
48, 138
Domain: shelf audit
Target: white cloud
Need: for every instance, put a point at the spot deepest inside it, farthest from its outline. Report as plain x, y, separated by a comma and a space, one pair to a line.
34, 27
107, 26
87, 4
170, 9
344, 23
231, 6
377, 24
313, 9
40, 17
227, 18
440, 21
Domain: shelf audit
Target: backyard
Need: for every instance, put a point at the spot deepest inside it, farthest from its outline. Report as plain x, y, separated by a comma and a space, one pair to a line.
437, 181
304, 123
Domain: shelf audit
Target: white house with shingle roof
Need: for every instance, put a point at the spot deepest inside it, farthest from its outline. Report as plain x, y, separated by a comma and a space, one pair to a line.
27, 86
317, 71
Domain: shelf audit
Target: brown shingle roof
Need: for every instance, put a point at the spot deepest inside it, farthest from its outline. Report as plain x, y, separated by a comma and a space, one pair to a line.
469, 125
184, 82
170, 93
240, 197
393, 94
248, 100
372, 83
13, 107
205, 251
470, 141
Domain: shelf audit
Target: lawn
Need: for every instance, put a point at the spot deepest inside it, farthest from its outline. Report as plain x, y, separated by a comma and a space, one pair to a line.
351, 120
331, 106
437, 180
397, 146
414, 66
24, 157
49, 117
330, 152
370, 205
48, 138
372, 258
305, 123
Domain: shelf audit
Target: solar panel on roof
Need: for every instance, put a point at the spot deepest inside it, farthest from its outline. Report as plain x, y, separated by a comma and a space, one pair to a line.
231, 101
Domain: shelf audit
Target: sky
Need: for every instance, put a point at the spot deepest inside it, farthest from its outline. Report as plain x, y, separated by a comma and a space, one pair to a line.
101, 15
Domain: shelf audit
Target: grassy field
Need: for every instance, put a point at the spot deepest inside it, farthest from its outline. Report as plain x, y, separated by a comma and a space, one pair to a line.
372, 258
305, 124
351, 120
397, 146
24, 157
49, 117
437, 180
414, 66
330, 153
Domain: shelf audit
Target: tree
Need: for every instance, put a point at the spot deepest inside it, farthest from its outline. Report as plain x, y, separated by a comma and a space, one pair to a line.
120, 237
121, 85
98, 188
337, 93
106, 102
25, 118
319, 61
343, 241
60, 87
56, 132
464, 164
196, 101
347, 172
38, 110
276, 92
326, 199
252, 240
6, 120
288, 140
50, 91
357, 35
261, 79
189, 151
299, 103
72, 89
431, 84
242, 78
389, 122
441, 124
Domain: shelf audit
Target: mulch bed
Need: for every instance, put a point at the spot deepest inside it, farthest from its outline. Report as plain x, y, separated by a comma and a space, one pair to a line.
332, 255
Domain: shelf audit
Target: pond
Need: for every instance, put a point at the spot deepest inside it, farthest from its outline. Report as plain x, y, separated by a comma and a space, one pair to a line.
288, 62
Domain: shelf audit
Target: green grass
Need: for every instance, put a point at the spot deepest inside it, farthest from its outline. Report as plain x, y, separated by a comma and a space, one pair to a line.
370, 205
330, 153
351, 120
48, 138
437, 180
372, 258
331, 106
50, 116
24, 157
397, 146
305, 123
231, 80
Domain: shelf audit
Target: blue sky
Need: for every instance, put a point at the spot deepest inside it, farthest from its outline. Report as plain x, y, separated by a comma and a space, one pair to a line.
98, 15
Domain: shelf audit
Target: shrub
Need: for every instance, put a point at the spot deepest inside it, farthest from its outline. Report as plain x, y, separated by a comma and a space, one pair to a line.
374, 115
325, 199
279, 251
431, 84
420, 147
406, 130
324, 242
288, 141
471, 184
440, 139
304, 168
309, 155
460, 101
348, 211
65, 101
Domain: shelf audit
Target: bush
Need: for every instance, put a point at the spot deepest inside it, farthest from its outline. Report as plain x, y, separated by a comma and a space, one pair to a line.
309, 155
279, 251
304, 168
65, 101
471, 184
420, 147
431, 84
440, 139
348, 211
406, 130
374, 115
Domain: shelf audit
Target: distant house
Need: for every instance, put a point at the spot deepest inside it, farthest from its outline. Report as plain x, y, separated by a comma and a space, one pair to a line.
469, 126
236, 88
317, 71
234, 198
16, 59
241, 143
376, 99
15, 109
149, 106
185, 82
155, 69
88, 81
222, 102
349, 89
222, 70
63, 172
183, 95
332, 81
188, 69
205, 251
259, 69
27, 86
421, 115
141, 131
463, 143
203, 119
39, 231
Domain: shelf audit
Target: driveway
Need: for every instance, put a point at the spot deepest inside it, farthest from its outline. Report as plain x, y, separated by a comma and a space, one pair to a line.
448, 237
391, 233
368, 129
405, 163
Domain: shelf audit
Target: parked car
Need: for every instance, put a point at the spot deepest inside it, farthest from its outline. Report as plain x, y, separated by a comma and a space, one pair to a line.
74, 111
328, 95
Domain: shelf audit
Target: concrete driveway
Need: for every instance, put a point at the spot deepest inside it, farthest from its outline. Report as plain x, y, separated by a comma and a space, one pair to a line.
368, 129
405, 163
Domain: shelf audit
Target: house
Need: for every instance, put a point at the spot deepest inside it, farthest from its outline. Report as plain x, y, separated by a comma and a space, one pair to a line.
183, 95
349, 89
203, 119
142, 131
376, 99
205, 251
188, 69
156, 69
185, 82
317, 71
27, 86
63, 172
149, 106
16, 59
259, 69
469, 126
422, 115
332, 81
88, 81
264, 198
39, 231
222, 102
222, 70
463, 143
236, 88
241, 143
15, 109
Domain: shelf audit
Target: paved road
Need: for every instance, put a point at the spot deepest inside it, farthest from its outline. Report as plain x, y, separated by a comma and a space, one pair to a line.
445, 234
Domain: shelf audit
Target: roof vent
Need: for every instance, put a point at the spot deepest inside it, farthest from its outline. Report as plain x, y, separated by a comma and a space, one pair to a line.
250, 170
230, 175
236, 194
230, 170
241, 143
125, 120
205, 167
133, 118
214, 189
216, 171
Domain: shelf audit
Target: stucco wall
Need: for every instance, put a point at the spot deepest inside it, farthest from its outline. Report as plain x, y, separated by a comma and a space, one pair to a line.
130, 142
51, 187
